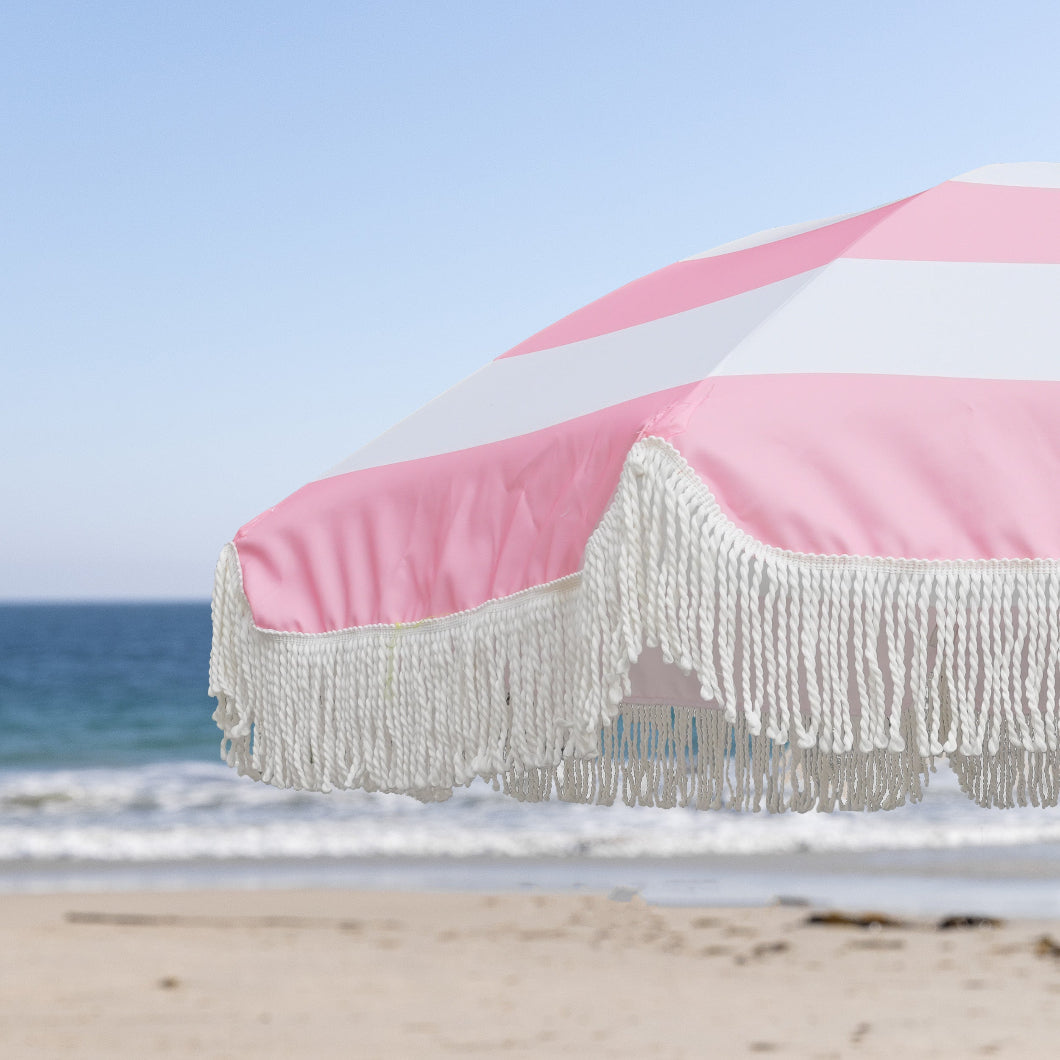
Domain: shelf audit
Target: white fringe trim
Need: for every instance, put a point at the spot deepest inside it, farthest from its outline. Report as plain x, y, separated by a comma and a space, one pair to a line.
679, 756
840, 678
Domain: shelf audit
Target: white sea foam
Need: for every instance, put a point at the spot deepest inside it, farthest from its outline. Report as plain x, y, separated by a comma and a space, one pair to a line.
185, 811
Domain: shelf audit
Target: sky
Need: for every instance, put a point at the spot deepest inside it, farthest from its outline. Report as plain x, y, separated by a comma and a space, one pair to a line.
239, 240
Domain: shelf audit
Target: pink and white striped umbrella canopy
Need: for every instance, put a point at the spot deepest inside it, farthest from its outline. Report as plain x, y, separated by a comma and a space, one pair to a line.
777, 525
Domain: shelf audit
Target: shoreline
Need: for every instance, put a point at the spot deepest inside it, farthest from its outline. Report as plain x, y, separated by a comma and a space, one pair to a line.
995, 881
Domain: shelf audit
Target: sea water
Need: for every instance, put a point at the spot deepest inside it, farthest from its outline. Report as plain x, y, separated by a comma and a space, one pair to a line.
110, 777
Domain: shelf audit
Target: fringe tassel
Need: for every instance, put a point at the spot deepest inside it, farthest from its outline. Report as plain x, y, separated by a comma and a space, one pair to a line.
416, 709
678, 756
837, 680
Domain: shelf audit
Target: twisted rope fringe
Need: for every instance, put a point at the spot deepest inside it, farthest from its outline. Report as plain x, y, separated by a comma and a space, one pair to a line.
678, 756
416, 708
827, 681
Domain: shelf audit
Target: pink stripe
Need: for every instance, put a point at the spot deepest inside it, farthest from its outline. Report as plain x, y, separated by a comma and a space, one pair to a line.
836, 464
970, 222
918, 467
429, 537
689, 284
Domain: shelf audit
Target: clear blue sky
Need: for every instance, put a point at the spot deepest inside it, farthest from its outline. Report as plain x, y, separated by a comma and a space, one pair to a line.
237, 240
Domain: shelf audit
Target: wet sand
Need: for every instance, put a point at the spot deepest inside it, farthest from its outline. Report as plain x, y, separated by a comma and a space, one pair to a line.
407, 975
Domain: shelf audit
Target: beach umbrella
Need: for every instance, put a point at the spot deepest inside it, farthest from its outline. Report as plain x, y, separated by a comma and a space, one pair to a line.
776, 526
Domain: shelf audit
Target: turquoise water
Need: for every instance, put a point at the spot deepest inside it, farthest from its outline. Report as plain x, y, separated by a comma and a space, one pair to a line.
104, 685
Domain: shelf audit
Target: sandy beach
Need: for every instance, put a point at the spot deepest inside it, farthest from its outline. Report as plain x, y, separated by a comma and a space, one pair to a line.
384, 974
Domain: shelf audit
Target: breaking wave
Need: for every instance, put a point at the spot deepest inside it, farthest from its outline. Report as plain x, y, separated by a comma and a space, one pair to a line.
179, 812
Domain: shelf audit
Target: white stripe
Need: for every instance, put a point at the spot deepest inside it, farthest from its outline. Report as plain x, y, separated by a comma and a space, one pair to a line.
940, 318
517, 395
771, 235
1016, 174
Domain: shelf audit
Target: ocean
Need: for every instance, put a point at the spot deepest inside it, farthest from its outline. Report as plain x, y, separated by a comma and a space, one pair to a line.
110, 778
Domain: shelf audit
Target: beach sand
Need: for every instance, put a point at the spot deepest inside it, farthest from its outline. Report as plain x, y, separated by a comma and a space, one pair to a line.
382, 974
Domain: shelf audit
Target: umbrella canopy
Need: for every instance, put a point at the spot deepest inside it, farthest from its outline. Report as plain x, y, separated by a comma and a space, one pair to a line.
775, 526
